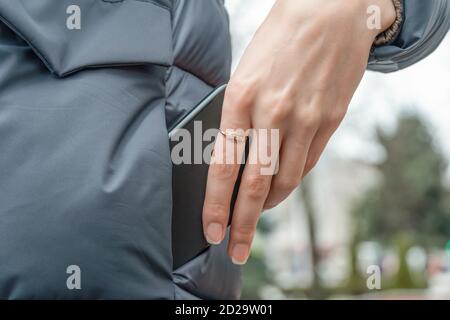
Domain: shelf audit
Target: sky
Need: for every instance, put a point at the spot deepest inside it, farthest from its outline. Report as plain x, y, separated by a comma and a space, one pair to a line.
423, 88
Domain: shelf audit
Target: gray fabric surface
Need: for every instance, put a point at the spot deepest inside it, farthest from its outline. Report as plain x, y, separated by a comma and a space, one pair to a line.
85, 169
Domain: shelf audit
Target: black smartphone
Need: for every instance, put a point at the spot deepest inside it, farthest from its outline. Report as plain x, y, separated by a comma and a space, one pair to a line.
190, 141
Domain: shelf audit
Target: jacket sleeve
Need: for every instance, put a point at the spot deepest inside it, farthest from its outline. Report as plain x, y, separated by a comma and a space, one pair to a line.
425, 24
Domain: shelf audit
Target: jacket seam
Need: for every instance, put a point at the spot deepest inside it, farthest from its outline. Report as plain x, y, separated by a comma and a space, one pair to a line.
147, 1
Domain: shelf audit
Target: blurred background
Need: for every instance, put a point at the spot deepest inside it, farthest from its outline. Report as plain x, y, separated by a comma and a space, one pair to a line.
378, 203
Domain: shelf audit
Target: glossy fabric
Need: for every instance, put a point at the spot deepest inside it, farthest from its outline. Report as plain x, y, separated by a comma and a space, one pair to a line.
85, 169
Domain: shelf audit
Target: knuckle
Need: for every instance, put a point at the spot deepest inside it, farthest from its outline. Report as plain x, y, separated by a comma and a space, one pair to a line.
309, 120
281, 109
240, 94
216, 211
256, 186
280, 112
299, 144
287, 185
223, 171
244, 231
334, 119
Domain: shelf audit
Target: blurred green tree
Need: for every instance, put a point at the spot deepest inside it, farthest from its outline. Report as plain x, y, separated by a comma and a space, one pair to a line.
316, 291
411, 201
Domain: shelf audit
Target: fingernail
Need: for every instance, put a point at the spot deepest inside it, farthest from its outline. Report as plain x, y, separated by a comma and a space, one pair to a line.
240, 254
214, 233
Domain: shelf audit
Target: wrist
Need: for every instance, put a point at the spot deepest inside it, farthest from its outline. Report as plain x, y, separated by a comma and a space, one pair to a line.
386, 13
380, 20
373, 17
389, 35
363, 19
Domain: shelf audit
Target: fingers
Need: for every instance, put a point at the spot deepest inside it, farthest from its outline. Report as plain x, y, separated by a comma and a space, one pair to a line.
299, 155
295, 149
318, 145
252, 195
222, 175
302, 145
294, 154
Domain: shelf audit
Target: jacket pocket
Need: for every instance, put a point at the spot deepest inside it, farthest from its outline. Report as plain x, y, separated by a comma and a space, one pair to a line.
73, 35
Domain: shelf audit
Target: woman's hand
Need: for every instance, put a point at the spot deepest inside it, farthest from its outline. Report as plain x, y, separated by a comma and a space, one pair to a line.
297, 76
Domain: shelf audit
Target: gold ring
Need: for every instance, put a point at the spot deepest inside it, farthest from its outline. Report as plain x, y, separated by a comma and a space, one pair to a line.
235, 136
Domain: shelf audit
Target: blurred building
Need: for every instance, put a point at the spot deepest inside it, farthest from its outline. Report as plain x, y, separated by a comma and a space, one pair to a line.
336, 185
345, 173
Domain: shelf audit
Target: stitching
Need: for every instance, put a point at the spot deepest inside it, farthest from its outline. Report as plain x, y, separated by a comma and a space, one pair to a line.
147, 1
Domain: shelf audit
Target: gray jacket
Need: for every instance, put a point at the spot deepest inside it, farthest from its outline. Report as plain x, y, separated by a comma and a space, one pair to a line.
85, 170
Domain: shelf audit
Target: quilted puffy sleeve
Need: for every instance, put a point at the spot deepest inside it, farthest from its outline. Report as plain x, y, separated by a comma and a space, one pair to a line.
425, 25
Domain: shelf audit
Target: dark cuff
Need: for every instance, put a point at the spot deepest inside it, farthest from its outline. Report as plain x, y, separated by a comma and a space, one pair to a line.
425, 24
389, 36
